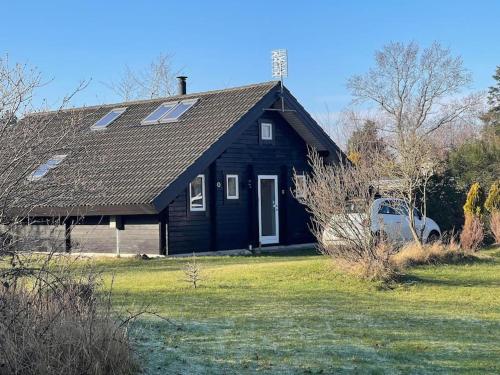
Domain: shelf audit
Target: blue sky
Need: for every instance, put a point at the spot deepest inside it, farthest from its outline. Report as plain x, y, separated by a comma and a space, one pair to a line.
227, 43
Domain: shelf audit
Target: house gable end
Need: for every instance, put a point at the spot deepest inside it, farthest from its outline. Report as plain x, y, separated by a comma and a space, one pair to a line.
295, 115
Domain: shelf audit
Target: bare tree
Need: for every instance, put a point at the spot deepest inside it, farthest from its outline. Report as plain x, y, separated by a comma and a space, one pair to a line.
416, 93
29, 137
340, 198
155, 81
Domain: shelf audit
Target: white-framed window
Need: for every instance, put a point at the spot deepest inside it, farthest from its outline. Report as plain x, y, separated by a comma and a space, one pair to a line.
300, 185
232, 187
266, 131
197, 194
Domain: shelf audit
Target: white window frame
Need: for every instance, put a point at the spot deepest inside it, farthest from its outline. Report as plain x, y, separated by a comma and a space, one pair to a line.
149, 122
203, 208
192, 102
237, 195
299, 191
162, 119
120, 111
269, 125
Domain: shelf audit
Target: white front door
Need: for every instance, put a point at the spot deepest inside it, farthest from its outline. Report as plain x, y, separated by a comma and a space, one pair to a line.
268, 210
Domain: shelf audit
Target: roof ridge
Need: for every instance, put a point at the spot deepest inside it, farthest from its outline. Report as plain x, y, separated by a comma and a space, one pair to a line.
165, 98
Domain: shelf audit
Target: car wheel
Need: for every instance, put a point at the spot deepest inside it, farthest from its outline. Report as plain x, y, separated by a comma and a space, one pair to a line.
433, 237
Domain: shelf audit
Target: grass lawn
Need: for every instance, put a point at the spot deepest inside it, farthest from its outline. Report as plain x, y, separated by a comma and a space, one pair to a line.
292, 314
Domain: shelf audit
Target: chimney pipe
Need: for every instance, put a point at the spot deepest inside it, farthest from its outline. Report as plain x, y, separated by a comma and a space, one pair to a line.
181, 85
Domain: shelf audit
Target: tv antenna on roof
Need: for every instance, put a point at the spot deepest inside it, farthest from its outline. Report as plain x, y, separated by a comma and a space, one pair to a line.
279, 59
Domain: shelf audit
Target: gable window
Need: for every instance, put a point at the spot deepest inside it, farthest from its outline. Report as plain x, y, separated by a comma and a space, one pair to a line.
43, 169
169, 112
108, 118
300, 186
232, 186
197, 194
266, 131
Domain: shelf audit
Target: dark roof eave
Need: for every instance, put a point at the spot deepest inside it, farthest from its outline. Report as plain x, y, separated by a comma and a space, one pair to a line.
130, 209
315, 129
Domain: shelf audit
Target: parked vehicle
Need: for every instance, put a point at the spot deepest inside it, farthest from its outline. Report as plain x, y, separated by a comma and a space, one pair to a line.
389, 219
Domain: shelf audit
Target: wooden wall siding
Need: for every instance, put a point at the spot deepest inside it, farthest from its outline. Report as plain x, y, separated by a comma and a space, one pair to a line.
93, 238
42, 237
140, 235
189, 231
233, 224
140, 238
249, 157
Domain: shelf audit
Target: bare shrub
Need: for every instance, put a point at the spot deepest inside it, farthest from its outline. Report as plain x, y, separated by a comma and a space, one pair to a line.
192, 272
339, 198
472, 234
414, 254
54, 321
495, 225
54, 317
373, 268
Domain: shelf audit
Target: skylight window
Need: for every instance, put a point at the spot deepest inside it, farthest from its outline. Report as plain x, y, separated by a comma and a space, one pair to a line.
43, 169
178, 111
108, 118
169, 112
158, 113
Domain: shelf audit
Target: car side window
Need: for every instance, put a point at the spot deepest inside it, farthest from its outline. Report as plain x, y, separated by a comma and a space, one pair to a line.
401, 209
387, 210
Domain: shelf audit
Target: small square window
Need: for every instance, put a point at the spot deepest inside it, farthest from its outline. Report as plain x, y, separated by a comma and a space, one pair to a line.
300, 186
232, 187
197, 194
266, 131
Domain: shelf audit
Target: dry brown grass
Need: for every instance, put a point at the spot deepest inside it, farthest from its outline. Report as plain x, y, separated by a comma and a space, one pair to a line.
52, 322
495, 225
413, 254
377, 267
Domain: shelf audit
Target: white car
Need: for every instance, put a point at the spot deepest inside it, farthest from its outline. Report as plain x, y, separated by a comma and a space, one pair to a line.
389, 219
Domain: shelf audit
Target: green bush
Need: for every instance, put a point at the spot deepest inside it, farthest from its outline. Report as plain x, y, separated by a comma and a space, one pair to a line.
445, 200
492, 202
473, 205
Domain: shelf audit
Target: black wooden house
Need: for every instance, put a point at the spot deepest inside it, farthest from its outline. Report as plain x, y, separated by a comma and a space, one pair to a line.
191, 173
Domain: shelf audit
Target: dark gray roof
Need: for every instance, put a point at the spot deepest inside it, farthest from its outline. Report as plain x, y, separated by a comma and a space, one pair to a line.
135, 165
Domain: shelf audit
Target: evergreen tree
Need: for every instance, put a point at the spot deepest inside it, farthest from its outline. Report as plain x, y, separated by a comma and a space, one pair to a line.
474, 203
479, 159
492, 202
492, 117
365, 142
494, 93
